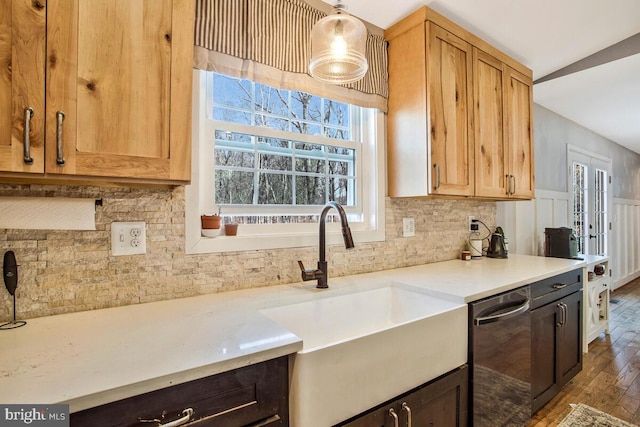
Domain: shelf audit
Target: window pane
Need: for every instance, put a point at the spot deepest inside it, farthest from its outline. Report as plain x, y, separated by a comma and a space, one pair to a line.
341, 190
233, 116
305, 128
306, 107
310, 190
336, 113
234, 158
272, 122
336, 133
310, 158
232, 92
281, 163
275, 189
234, 187
271, 100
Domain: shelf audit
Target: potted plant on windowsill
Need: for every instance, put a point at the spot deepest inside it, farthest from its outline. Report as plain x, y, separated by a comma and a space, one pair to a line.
210, 225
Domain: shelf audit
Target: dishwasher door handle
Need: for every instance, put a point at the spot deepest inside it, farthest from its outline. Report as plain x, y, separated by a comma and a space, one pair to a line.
504, 316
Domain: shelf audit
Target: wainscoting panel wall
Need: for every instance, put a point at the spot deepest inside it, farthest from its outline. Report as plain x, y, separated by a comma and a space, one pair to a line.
625, 245
521, 220
524, 222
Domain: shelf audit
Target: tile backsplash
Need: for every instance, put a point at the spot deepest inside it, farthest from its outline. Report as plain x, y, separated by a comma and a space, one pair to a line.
68, 271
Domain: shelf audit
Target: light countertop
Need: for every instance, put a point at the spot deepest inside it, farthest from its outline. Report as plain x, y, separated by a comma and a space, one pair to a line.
95, 357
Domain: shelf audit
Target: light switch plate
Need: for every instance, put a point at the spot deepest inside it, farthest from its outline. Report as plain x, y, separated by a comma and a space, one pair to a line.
128, 238
408, 227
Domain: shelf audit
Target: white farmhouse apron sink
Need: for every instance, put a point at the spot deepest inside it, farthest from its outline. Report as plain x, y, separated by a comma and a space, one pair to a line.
363, 348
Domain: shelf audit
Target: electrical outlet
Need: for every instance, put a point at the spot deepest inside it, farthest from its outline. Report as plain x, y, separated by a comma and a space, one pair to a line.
128, 238
408, 227
472, 226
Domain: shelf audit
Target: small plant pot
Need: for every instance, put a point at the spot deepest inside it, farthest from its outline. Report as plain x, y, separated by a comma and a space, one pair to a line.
210, 221
230, 229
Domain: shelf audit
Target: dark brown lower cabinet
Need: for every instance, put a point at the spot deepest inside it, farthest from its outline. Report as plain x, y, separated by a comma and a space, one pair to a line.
442, 402
255, 395
557, 346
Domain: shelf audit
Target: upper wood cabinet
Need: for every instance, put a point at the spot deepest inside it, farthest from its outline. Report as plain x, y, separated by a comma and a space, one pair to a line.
504, 149
118, 90
459, 121
22, 58
430, 144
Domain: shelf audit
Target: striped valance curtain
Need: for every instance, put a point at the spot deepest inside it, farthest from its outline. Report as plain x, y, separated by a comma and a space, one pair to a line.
270, 41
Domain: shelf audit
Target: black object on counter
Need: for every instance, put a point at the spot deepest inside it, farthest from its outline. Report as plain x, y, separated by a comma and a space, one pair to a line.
10, 272
10, 275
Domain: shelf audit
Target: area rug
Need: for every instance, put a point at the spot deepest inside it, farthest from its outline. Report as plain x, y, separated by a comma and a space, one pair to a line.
583, 415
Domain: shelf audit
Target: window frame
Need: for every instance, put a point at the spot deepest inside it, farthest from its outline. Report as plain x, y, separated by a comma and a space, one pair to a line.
273, 236
593, 163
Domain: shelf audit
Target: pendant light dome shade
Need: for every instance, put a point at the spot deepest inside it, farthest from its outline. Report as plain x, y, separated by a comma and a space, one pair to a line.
338, 46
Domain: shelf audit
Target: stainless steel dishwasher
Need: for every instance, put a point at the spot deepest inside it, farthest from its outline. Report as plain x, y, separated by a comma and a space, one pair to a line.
500, 359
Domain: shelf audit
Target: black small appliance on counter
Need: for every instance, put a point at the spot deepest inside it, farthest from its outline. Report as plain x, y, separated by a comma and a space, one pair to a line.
560, 243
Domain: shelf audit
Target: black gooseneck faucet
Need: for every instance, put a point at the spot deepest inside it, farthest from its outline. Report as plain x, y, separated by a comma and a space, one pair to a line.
320, 274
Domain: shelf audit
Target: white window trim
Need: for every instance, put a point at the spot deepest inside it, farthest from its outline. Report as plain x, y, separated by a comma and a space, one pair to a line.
273, 236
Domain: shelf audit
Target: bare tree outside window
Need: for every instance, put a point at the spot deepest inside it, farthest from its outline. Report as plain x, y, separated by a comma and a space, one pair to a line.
269, 163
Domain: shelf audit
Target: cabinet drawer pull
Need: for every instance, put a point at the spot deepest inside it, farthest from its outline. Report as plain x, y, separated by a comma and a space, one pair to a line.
26, 136
437, 168
186, 417
558, 285
396, 422
59, 120
405, 407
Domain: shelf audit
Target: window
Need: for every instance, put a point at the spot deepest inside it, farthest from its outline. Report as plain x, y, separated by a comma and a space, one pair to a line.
589, 181
270, 158
291, 148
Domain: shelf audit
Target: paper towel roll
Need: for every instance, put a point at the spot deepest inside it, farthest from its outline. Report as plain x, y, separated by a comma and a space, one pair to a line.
47, 213
475, 247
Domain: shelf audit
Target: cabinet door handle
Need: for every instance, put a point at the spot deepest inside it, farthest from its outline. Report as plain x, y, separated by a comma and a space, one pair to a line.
437, 168
563, 314
513, 191
559, 322
405, 407
26, 136
59, 120
508, 184
186, 417
396, 422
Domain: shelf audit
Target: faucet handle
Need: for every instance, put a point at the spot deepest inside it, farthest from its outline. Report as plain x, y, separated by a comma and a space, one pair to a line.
308, 274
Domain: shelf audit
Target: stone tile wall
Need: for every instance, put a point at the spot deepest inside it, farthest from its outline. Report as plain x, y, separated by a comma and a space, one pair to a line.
68, 271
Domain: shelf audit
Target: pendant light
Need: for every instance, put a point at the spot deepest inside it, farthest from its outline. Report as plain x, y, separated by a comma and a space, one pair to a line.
338, 45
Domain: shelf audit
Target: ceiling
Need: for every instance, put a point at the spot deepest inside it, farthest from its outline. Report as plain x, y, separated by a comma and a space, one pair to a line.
547, 35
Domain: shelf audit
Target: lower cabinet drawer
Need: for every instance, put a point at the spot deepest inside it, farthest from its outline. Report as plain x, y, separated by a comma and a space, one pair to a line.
253, 395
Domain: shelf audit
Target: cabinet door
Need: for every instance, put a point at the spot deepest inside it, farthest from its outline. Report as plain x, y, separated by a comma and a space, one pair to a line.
544, 324
22, 58
442, 403
450, 97
570, 339
490, 142
518, 110
119, 88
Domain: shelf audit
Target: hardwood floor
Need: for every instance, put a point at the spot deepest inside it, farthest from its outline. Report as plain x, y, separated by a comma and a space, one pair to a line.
609, 380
